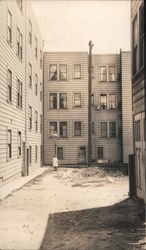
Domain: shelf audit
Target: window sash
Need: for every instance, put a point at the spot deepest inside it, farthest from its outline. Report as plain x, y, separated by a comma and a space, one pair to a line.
52, 128
53, 72
103, 129
30, 117
103, 74
36, 120
19, 143
77, 99
77, 71
36, 47
36, 84
63, 72
103, 101
9, 85
112, 126
30, 33
63, 101
9, 26
9, 144
77, 128
112, 74
53, 101
63, 129
112, 101
19, 93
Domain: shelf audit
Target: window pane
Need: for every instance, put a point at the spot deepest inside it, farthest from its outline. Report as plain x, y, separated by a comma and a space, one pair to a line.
112, 101
63, 129
63, 72
103, 101
103, 74
77, 100
112, 77
103, 129
53, 128
112, 129
77, 128
53, 72
77, 71
53, 101
63, 101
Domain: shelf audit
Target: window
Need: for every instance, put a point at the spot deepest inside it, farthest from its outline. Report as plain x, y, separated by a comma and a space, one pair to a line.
36, 47
112, 101
112, 74
100, 153
137, 130
92, 128
9, 85
30, 117
103, 74
135, 51
19, 44
77, 128
19, 94
103, 101
103, 129
77, 71
41, 63
30, 32
53, 72
36, 153
41, 124
36, 84
30, 154
41, 93
92, 99
9, 144
9, 27
60, 153
19, 143
63, 129
36, 120
77, 99
63, 101
63, 72
141, 36
19, 2
112, 127
30, 74
53, 101
52, 128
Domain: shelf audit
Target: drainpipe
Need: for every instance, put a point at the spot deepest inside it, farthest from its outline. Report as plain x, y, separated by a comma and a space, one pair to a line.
89, 104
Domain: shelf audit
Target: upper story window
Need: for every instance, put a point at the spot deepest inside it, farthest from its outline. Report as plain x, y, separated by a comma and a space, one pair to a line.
112, 101
52, 128
53, 101
103, 101
77, 99
19, 43
36, 120
41, 123
92, 99
19, 2
41, 93
137, 130
9, 85
9, 143
141, 36
63, 100
92, 127
112, 73
9, 27
30, 117
62, 72
135, 41
103, 129
77, 128
103, 74
77, 71
30, 74
19, 94
36, 47
30, 32
112, 129
41, 62
63, 129
53, 72
36, 84
19, 143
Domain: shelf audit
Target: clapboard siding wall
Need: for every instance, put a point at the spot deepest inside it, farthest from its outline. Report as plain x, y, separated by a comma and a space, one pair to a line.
127, 122
112, 147
138, 101
70, 144
13, 117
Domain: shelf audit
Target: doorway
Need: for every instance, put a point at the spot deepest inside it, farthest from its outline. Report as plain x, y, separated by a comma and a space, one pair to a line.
82, 154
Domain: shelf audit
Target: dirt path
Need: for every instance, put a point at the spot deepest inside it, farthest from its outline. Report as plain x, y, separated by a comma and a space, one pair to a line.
71, 209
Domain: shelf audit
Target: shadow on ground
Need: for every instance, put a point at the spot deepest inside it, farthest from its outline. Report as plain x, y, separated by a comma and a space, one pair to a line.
117, 227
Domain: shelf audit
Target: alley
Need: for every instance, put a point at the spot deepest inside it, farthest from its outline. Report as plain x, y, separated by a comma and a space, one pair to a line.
72, 209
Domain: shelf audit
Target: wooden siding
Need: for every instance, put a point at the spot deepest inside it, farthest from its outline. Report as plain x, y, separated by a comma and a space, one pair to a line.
112, 147
13, 117
127, 126
71, 143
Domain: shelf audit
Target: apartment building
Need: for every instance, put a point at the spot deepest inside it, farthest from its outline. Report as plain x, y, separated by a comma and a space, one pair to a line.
66, 107
20, 129
138, 91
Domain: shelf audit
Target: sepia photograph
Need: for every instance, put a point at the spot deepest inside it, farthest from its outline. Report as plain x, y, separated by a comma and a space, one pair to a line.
72, 125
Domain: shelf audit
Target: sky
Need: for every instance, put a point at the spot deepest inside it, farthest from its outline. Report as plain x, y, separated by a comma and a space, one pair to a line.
68, 25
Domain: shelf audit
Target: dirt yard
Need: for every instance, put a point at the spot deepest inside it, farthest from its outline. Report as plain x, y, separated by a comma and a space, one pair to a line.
71, 209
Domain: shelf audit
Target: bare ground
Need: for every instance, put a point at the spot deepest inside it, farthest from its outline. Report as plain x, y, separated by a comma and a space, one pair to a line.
70, 209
